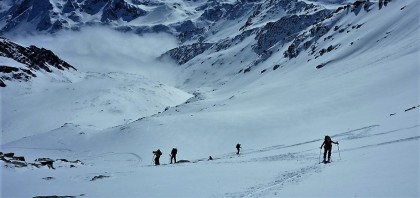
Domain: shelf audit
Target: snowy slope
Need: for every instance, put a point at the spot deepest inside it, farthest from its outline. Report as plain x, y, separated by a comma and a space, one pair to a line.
93, 98
95, 101
9, 61
363, 96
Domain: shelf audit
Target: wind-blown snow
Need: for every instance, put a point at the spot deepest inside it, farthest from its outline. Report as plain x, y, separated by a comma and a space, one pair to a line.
98, 49
363, 97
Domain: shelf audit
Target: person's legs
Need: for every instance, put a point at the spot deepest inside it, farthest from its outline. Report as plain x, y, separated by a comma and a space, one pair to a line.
157, 161
325, 153
329, 154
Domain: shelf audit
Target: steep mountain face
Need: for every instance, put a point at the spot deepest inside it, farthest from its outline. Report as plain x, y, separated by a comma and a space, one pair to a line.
255, 31
203, 26
52, 15
24, 62
218, 38
278, 31
188, 20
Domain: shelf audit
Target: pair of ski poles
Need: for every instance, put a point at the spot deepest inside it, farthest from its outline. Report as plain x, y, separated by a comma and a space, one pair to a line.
339, 154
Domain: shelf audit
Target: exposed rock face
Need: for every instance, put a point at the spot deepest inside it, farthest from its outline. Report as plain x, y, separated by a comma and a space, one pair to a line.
99, 177
12, 161
185, 53
273, 24
35, 11
53, 15
119, 9
33, 58
286, 29
36, 58
46, 16
10, 73
299, 28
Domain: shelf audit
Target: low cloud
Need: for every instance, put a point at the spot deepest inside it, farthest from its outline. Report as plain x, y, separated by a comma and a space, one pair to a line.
100, 49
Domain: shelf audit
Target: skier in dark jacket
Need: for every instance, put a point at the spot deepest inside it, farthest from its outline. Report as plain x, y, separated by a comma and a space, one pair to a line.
173, 154
238, 147
327, 147
157, 155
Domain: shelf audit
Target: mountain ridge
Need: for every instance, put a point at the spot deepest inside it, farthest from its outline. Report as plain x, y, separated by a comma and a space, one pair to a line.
33, 58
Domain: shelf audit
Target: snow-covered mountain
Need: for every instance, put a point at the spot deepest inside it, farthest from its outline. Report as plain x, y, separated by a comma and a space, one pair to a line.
18, 63
275, 76
188, 20
125, 15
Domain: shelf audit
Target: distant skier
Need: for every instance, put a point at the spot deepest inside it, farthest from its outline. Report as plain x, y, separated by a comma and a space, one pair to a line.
238, 147
173, 154
327, 147
157, 155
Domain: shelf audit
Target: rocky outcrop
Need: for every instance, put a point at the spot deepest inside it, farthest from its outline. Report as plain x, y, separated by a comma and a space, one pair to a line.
119, 9
99, 177
286, 29
36, 58
183, 54
33, 58
46, 17
12, 161
37, 12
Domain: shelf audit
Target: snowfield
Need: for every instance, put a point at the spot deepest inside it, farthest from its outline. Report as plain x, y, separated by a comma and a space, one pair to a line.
366, 96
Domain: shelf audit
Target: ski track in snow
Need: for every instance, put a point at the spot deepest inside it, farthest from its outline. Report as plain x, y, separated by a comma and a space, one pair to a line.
288, 177
105, 156
306, 155
39, 148
297, 175
348, 135
384, 143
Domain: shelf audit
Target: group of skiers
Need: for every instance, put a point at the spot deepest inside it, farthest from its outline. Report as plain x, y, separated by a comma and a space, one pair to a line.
327, 144
158, 153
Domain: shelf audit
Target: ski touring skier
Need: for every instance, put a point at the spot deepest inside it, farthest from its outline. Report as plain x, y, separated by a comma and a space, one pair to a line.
327, 144
157, 155
173, 154
238, 147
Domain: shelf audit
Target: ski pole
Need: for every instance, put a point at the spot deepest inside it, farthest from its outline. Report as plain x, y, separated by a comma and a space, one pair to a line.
319, 158
338, 146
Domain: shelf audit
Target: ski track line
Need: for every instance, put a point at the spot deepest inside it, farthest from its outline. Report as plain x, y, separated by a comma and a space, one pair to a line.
351, 133
363, 134
348, 135
394, 131
139, 159
384, 143
308, 169
49, 149
289, 177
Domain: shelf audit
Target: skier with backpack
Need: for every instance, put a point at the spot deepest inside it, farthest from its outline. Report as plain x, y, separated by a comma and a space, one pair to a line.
173, 154
157, 155
238, 147
327, 144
